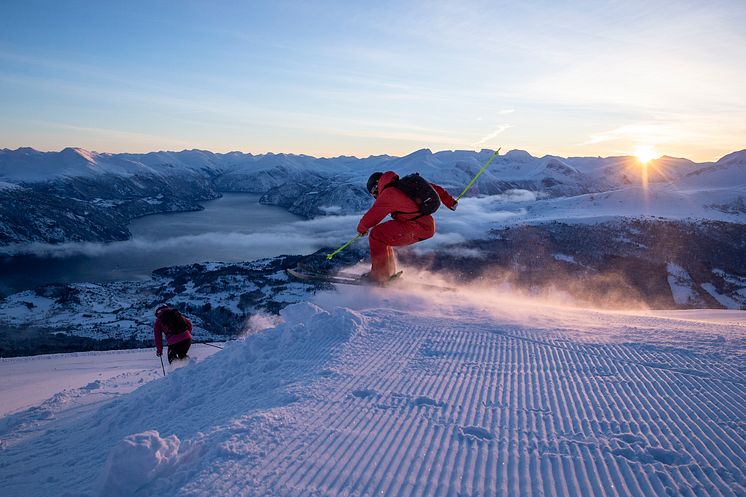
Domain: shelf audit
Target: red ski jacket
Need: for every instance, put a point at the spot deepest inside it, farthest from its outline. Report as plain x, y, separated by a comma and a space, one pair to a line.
395, 202
160, 328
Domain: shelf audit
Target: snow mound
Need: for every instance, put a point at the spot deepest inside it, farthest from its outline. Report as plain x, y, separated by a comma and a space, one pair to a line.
137, 460
308, 319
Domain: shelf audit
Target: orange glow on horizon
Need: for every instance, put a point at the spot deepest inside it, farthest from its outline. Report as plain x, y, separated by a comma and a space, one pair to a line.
645, 154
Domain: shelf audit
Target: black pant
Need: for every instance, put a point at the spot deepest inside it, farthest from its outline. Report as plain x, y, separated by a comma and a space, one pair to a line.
179, 350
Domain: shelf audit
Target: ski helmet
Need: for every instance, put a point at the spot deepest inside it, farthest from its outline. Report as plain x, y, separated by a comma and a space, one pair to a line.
373, 182
161, 307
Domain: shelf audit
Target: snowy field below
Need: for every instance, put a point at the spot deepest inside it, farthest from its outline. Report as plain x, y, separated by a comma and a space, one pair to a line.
380, 393
28, 381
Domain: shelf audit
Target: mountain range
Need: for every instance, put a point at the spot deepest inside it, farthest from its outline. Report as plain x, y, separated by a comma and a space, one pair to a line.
586, 228
78, 195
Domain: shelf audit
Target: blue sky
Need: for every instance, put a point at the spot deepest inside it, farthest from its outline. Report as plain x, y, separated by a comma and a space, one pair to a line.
360, 78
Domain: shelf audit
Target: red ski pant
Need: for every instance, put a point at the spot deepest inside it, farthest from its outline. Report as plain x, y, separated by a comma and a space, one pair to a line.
395, 233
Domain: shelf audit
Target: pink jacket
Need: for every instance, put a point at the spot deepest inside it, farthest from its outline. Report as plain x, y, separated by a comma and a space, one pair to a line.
160, 328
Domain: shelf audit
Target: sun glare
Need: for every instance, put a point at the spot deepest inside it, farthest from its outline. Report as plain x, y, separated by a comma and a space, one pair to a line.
645, 154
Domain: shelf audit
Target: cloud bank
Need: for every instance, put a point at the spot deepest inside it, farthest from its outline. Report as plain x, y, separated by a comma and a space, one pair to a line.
473, 219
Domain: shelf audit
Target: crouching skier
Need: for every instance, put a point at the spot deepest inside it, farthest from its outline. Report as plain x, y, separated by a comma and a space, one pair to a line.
410, 201
178, 331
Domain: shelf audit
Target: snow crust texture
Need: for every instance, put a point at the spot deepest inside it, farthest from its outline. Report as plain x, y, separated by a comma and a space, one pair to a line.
393, 396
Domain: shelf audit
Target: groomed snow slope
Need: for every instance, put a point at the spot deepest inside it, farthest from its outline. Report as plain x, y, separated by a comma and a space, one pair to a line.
58, 382
371, 392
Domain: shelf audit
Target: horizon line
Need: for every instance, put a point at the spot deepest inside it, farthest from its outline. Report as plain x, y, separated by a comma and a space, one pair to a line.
663, 156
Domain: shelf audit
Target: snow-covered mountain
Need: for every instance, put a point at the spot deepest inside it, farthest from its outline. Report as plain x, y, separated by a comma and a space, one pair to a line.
26, 165
76, 195
80, 195
538, 224
728, 172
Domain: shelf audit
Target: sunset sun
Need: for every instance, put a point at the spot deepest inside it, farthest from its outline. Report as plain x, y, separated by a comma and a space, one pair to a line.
645, 154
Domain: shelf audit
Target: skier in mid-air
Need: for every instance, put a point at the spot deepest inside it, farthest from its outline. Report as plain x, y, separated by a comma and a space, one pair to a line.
410, 201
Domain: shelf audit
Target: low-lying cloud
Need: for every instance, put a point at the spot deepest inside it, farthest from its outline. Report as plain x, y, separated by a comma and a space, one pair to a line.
473, 219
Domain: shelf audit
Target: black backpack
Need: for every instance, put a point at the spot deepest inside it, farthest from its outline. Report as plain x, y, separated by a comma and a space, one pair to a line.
419, 189
173, 320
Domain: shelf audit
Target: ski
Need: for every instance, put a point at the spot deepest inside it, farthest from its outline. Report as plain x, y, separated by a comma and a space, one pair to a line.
312, 276
302, 267
354, 279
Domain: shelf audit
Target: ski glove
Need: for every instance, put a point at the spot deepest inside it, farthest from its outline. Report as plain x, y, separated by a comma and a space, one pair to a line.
455, 204
159, 353
362, 234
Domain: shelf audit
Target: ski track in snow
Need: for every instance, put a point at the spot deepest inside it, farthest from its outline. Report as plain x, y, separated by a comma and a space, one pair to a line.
443, 401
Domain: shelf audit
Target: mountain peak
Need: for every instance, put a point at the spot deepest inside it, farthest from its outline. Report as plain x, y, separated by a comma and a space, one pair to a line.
421, 152
519, 155
74, 152
739, 156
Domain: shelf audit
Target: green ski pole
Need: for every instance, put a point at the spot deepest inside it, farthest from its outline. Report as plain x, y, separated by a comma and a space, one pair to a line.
340, 249
479, 173
329, 256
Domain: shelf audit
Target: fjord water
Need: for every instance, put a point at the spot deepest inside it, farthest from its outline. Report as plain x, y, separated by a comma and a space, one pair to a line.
215, 234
